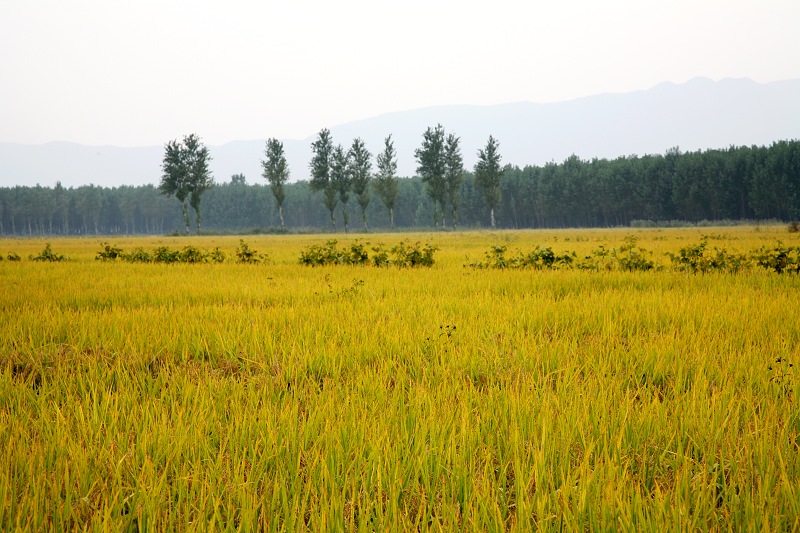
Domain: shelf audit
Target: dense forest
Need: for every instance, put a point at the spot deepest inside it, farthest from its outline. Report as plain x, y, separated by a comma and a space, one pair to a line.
734, 183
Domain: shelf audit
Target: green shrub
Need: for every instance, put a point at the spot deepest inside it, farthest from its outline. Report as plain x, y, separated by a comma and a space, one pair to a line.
779, 259
380, 257
403, 255
247, 255
413, 256
698, 258
48, 255
191, 254
321, 255
162, 254
108, 253
631, 257
138, 255
216, 255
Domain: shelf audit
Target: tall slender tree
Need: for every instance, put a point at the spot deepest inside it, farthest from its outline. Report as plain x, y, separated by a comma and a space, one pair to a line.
175, 177
488, 175
360, 176
276, 172
342, 183
385, 183
431, 169
200, 179
453, 175
321, 172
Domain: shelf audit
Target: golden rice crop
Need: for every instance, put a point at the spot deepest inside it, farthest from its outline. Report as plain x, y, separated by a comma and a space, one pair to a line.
282, 397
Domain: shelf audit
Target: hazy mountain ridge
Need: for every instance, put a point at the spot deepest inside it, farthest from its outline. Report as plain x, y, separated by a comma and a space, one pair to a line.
699, 114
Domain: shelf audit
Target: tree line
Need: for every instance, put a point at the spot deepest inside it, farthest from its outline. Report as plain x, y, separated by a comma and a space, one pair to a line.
755, 182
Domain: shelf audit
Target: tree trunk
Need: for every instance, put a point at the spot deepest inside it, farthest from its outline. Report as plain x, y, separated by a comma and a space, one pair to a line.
185, 217
280, 212
391, 218
491, 212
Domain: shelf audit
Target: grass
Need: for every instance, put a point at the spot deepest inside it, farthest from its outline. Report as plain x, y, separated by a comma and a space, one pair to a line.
280, 397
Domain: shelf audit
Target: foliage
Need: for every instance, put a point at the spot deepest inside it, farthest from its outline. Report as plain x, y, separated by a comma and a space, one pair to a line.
186, 174
537, 259
431, 169
276, 172
137, 255
698, 258
321, 255
779, 258
109, 252
385, 184
320, 166
453, 175
13, 256
360, 170
341, 180
745, 185
488, 175
47, 255
411, 255
631, 257
247, 255
162, 254
402, 255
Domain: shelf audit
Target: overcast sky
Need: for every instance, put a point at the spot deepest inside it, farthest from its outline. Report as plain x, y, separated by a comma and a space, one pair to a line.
131, 73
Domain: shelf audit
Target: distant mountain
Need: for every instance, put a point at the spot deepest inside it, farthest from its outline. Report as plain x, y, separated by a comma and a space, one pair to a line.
699, 114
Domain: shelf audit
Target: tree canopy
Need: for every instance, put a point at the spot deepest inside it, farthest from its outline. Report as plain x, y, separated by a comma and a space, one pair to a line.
276, 172
186, 175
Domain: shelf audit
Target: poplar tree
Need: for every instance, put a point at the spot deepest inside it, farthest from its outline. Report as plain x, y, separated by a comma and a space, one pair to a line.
320, 166
431, 169
185, 175
340, 178
360, 176
488, 174
385, 183
276, 172
454, 175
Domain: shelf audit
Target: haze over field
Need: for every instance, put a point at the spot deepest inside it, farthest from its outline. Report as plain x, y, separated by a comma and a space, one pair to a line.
105, 75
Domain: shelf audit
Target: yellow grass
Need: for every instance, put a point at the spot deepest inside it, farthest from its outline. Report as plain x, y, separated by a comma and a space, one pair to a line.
283, 397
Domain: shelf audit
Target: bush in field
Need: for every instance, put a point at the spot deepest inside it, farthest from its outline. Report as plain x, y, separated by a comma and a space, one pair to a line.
546, 258
247, 255
537, 259
13, 256
357, 255
48, 255
403, 255
138, 255
381, 256
698, 258
321, 255
108, 253
406, 255
216, 255
163, 254
191, 254
779, 259
631, 257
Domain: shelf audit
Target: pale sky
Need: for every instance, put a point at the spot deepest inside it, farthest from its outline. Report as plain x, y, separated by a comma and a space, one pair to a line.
134, 73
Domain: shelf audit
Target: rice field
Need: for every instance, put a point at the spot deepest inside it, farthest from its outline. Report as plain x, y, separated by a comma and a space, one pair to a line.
282, 397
